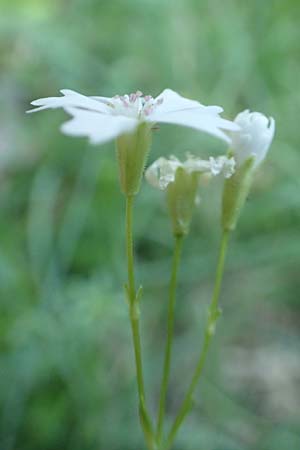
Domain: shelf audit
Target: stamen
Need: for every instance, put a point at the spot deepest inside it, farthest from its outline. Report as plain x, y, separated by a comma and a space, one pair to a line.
148, 110
136, 103
132, 98
124, 100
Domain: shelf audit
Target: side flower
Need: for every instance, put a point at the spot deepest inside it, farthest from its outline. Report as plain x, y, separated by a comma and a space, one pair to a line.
249, 147
181, 180
129, 119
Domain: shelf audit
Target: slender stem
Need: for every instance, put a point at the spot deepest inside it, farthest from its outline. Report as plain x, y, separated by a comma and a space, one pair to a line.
129, 246
170, 333
219, 274
133, 299
213, 315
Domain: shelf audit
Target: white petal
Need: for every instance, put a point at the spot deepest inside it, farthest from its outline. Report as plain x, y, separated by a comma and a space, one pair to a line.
102, 99
272, 128
99, 128
212, 166
197, 120
162, 172
69, 98
171, 101
254, 137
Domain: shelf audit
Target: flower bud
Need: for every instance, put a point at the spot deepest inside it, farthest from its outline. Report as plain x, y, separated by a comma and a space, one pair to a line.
254, 137
132, 153
249, 147
181, 181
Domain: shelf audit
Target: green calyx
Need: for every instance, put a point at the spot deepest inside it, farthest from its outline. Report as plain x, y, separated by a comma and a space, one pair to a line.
235, 193
132, 153
181, 200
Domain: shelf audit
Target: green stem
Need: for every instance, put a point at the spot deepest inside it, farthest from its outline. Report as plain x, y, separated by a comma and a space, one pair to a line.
213, 315
133, 299
129, 247
170, 333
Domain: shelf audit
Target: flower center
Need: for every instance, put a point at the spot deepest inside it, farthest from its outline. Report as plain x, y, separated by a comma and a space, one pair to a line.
134, 105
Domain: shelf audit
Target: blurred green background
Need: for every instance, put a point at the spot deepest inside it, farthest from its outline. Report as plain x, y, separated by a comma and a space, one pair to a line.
67, 373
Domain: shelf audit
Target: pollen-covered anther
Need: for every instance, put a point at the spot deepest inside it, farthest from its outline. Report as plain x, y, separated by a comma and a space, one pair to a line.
132, 98
124, 99
150, 104
148, 110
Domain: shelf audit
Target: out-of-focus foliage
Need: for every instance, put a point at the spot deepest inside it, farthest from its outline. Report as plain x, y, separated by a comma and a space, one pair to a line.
67, 373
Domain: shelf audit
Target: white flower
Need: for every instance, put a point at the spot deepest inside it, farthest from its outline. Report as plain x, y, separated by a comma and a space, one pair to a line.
254, 138
163, 171
102, 119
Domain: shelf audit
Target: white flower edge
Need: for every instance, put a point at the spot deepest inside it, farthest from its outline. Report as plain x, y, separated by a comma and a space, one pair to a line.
102, 119
254, 137
163, 171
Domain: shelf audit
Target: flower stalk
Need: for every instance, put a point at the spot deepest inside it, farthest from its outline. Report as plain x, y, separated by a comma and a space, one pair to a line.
170, 334
213, 315
133, 297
